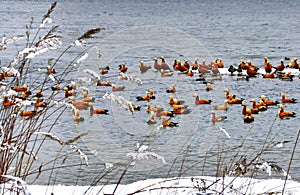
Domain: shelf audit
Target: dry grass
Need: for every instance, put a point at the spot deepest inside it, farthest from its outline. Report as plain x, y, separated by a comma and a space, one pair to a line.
23, 135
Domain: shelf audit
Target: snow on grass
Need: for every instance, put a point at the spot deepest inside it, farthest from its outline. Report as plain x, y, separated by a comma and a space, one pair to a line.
185, 185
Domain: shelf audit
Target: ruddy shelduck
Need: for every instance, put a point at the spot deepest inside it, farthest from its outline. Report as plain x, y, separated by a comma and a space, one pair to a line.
166, 123
172, 89
160, 112
287, 100
97, 111
163, 64
285, 114
28, 113
69, 93
173, 101
258, 106
143, 67
248, 118
222, 107
268, 102
78, 117
199, 101
117, 88
215, 118
20, 88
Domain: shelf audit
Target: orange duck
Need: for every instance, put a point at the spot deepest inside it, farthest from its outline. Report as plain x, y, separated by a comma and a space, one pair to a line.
174, 64
215, 118
105, 84
130, 107
234, 100
251, 69
267, 65
71, 86
195, 65
222, 107
96, 111
77, 117
39, 94
268, 102
173, 101
181, 110
104, 70
6, 74
87, 98
293, 64
208, 87
220, 63
143, 67
227, 94
203, 68
23, 88
270, 75
150, 109
172, 89
166, 123
146, 97
179, 106
151, 93
56, 87
39, 103
25, 95
285, 114
258, 106
202, 101
186, 64
214, 68
248, 111
286, 76
116, 88
2, 77
160, 112
281, 66
135, 107
287, 100
242, 65
190, 73
123, 68
79, 105
6, 102
29, 113
50, 70
156, 65
180, 67
163, 64
248, 118
69, 93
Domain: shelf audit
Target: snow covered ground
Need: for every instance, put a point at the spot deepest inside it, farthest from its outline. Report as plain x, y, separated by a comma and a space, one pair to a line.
186, 185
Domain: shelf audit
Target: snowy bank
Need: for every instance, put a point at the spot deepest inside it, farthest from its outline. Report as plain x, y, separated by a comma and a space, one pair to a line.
185, 185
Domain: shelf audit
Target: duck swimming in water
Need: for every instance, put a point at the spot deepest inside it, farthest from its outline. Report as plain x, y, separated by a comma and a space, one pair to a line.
285, 114
287, 100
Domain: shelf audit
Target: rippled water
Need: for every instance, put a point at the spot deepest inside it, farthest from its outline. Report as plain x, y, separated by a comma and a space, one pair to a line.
232, 30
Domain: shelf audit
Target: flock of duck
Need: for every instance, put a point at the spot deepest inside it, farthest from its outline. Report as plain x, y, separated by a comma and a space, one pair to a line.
203, 70
216, 68
177, 107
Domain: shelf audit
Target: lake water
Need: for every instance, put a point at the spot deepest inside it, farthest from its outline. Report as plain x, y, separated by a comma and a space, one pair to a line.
231, 30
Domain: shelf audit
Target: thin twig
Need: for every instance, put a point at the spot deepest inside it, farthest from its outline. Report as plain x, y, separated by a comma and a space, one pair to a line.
291, 159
